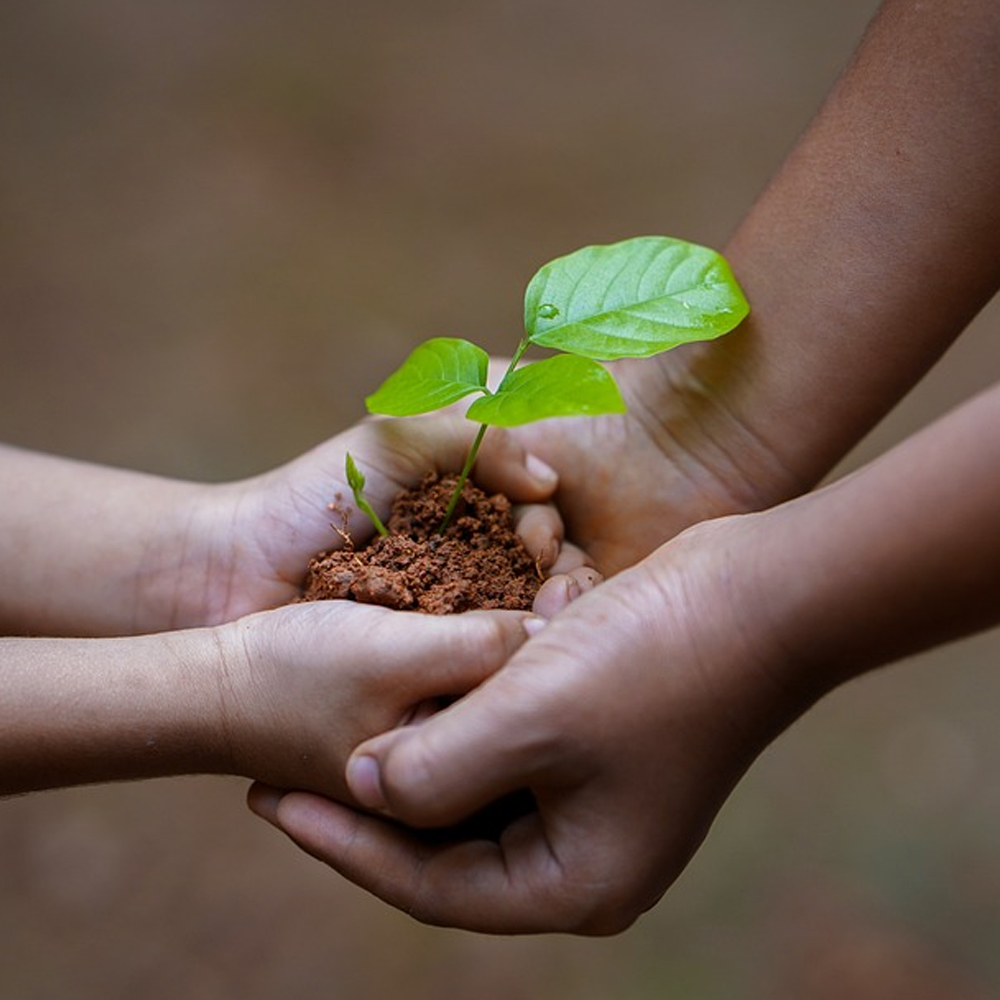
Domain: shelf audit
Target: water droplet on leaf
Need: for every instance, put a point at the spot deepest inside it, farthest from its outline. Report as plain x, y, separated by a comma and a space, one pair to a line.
548, 311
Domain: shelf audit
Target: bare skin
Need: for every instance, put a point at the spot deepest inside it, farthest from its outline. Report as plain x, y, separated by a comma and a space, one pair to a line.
871, 249
279, 695
162, 554
631, 716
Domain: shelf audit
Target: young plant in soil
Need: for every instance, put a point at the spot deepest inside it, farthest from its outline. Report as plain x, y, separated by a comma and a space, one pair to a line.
632, 299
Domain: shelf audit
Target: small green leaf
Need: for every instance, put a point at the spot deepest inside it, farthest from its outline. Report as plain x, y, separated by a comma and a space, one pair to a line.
632, 299
439, 372
356, 481
561, 386
355, 477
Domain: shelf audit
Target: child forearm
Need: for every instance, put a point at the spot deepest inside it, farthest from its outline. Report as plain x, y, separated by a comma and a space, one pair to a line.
281, 696
89, 550
78, 711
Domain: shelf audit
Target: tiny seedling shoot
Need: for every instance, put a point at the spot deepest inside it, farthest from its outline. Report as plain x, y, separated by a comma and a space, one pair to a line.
631, 299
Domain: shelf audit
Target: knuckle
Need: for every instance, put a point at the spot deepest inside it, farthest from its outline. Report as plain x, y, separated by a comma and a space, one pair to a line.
409, 784
486, 640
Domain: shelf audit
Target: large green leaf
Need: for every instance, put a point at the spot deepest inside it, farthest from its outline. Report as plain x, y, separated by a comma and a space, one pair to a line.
632, 299
439, 372
561, 386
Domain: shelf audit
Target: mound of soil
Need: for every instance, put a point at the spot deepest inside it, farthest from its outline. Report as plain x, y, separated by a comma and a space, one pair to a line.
479, 562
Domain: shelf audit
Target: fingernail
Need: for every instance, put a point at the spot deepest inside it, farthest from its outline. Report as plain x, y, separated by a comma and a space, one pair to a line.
542, 473
365, 782
549, 554
533, 624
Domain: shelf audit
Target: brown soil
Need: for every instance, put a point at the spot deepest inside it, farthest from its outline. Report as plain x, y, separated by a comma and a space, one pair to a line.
479, 562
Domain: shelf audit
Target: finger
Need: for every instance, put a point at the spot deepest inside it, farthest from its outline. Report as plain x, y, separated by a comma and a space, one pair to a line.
505, 467
452, 654
415, 656
420, 657
478, 750
540, 528
571, 557
263, 801
422, 711
560, 591
508, 887
400, 451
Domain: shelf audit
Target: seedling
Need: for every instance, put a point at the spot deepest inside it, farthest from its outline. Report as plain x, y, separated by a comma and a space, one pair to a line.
356, 480
631, 299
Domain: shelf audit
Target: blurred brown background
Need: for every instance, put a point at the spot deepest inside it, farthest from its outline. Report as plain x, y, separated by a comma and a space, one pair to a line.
221, 223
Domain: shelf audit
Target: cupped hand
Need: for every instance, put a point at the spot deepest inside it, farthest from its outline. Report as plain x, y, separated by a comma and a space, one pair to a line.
248, 543
302, 685
629, 718
679, 455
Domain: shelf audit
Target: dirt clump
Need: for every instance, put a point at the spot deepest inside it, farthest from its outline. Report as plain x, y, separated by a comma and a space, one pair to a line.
479, 562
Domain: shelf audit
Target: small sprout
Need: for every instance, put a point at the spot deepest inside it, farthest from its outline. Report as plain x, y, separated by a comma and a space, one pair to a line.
631, 299
356, 480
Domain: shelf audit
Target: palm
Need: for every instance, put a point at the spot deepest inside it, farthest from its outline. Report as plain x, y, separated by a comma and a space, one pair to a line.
263, 531
286, 516
629, 483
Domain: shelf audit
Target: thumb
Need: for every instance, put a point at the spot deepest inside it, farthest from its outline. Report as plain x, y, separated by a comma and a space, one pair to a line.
478, 750
505, 466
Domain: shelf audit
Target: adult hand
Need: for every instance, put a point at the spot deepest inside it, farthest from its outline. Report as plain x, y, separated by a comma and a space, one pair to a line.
632, 714
679, 455
894, 181
629, 719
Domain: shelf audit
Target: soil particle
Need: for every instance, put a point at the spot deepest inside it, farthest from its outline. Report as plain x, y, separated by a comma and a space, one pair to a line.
479, 562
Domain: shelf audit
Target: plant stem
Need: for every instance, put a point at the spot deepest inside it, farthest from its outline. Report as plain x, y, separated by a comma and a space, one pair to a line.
367, 508
518, 354
462, 477
470, 460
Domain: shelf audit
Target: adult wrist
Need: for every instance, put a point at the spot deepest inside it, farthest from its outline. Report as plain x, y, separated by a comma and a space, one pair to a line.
700, 404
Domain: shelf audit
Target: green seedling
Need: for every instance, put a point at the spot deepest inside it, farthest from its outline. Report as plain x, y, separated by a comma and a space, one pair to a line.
631, 299
356, 480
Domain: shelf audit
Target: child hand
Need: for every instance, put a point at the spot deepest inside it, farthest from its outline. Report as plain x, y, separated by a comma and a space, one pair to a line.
306, 683
281, 696
248, 543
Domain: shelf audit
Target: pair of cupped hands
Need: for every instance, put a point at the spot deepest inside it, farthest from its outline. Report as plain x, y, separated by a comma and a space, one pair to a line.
627, 705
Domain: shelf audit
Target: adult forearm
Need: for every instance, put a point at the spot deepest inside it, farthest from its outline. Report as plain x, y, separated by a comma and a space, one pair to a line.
874, 245
894, 559
78, 711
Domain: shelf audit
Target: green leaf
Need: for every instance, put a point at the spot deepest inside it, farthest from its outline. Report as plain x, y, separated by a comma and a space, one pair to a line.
355, 477
561, 386
356, 481
439, 372
632, 299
